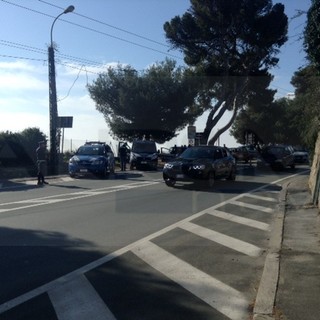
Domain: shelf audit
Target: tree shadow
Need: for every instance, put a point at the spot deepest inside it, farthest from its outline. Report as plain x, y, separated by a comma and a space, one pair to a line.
31, 258
129, 287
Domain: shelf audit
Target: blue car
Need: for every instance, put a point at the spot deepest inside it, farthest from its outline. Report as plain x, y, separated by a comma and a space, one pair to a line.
92, 158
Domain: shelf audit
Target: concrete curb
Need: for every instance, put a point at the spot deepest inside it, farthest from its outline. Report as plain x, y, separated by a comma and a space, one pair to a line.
265, 300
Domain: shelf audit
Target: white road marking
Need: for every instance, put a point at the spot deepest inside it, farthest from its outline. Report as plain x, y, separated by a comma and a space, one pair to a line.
217, 294
241, 220
29, 203
255, 196
227, 241
251, 206
78, 300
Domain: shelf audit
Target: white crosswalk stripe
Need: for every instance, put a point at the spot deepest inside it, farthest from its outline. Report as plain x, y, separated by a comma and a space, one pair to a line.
241, 220
255, 196
220, 296
251, 206
78, 300
229, 242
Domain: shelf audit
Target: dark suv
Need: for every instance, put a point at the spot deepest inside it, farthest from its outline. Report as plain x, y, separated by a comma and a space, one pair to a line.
92, 157
143, 154
277, 157
202, 164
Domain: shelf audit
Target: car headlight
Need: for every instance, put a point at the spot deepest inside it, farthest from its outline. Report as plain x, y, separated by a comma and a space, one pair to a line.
168, 166
199, 166
154, 156
134, 156
74, 160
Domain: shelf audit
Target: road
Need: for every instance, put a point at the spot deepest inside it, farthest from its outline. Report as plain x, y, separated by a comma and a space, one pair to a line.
130, 247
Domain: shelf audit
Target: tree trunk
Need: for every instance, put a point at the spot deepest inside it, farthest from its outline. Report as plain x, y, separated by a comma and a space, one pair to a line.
225, 128
212, 120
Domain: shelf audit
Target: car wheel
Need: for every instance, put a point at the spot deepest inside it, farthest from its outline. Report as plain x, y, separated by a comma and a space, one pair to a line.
293, 166
105, 173
211, 178
170, 182
112, 169
232, 175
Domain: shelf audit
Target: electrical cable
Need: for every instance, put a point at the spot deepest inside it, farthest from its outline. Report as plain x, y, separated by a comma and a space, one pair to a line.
95, 31
109, 25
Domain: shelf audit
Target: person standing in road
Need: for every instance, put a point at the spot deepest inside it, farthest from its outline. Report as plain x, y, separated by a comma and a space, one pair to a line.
41, 152
123, 156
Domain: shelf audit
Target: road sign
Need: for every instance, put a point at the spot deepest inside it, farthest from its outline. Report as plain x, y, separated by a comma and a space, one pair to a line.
64, 122
191, 132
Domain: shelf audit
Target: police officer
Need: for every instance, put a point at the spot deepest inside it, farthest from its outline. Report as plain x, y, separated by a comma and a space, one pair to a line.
41, 152
123, 156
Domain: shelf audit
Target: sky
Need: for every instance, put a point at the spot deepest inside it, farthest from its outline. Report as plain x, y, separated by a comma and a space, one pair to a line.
97, 35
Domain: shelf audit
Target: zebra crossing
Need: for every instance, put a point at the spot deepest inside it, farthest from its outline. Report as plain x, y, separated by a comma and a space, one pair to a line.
83, 294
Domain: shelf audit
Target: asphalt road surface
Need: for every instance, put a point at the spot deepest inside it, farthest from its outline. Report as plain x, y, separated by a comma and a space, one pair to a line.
129, 247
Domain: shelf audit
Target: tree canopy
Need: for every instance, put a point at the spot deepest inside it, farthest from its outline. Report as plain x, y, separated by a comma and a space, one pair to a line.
276, 122
233, 44
307, 101
158, 102
19, 148
311, 34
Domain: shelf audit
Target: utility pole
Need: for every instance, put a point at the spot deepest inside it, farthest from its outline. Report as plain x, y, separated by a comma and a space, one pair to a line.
53, 107
53, 110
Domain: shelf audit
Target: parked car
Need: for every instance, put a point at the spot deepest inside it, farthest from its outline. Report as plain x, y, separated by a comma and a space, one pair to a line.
277, 157
167, 154
301, 155
200, 164
92, 158
143, 154
240, 153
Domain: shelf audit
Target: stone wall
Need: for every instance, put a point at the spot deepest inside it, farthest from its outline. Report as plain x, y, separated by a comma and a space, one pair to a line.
314, 179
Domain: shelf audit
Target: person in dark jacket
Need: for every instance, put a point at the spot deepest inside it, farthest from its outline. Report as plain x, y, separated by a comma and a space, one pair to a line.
123, 156
41, 152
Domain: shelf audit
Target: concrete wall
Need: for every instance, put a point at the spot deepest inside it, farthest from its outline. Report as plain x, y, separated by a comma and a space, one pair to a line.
314, 179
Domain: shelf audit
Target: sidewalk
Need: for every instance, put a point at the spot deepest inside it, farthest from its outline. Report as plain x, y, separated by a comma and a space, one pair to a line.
291, 277
298, 294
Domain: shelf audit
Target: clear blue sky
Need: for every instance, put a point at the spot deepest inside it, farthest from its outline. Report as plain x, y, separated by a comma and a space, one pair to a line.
97, 34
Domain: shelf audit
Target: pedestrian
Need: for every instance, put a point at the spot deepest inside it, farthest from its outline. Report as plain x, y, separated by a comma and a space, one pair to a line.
123, 156
41, 152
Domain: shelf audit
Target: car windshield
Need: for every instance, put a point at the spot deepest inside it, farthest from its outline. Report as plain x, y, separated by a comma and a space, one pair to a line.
144, 147
197, 153
275, 150
90, 150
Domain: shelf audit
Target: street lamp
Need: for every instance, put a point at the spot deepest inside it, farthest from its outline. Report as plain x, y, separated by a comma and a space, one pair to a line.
53, 108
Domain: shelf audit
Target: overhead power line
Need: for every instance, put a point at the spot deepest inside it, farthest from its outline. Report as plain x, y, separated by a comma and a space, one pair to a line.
43, 51
97, 31
110, 25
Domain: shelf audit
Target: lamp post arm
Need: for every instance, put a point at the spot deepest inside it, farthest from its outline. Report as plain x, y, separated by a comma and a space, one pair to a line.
54, 21
67, 10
